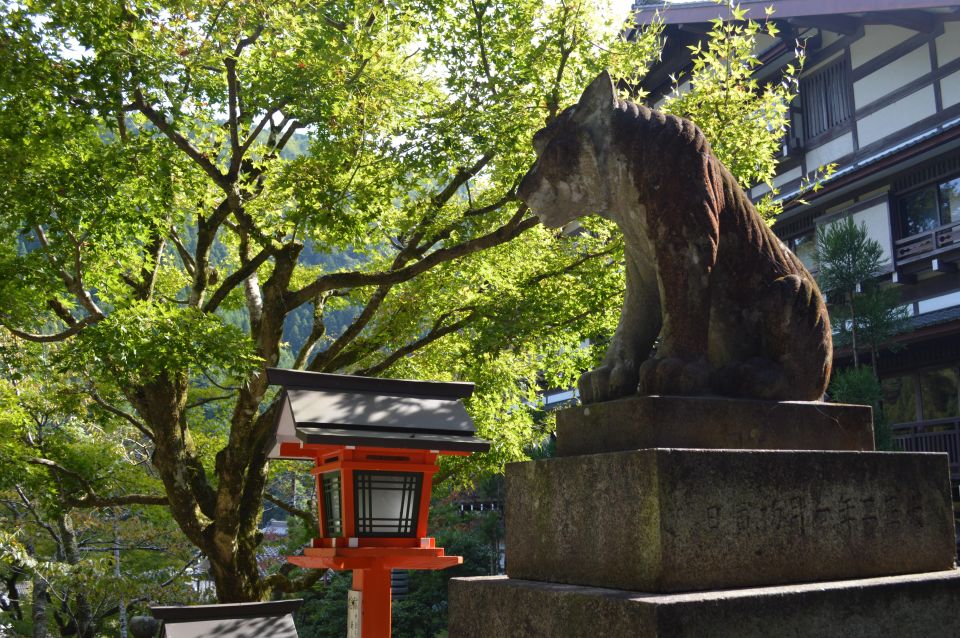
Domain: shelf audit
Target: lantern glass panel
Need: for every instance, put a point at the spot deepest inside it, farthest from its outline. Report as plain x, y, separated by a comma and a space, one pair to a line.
332, 517
386, 503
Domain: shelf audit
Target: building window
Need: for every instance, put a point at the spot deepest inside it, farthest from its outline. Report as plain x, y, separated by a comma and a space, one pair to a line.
805, 248
899, 399
950, 201
939, 396
930, 207
825, 100
939, 390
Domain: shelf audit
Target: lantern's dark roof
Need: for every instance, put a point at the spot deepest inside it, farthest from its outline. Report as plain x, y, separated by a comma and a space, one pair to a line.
240, 620
347, 382
336, 409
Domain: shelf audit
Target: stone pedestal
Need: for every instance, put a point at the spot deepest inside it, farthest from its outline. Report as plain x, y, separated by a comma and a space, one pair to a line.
711, 422
912, 606
754, 535
669, 520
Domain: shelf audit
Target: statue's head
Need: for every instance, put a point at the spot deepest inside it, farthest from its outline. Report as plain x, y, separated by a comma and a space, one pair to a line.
565, 182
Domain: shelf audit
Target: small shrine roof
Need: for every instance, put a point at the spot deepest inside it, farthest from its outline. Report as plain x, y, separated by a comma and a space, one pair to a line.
337, 409
239, 620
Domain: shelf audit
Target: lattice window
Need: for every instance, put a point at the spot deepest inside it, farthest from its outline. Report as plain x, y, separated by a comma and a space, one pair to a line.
386, 502
331, 504
824, 99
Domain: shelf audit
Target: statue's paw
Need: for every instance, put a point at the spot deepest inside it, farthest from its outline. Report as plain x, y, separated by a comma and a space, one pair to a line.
608, 382
674, 376
759, 378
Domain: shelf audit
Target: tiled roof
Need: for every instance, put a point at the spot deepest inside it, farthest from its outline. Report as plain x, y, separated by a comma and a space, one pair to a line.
935, 318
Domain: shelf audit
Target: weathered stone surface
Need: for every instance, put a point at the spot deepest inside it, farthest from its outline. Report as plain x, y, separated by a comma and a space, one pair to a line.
712, 422
730, 310
915, 605
668, 520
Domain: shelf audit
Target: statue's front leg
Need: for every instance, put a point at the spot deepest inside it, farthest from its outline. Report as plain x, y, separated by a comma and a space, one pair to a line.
633, 340
685, 263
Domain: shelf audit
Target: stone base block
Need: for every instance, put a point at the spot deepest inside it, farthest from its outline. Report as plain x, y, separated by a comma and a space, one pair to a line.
910, 606
672, 520
712, 422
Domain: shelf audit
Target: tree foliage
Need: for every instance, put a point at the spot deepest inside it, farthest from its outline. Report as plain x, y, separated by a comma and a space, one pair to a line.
860, 386
862, 312
744, 121
185, 182
62, 458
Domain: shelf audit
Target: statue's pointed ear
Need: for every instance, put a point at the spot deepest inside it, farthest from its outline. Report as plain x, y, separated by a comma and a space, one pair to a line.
600, 98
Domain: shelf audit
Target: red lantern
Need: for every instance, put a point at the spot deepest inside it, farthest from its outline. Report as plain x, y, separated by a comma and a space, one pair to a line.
375, 444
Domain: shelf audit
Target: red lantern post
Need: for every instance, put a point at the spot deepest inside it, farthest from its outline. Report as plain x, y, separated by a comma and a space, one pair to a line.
375, 445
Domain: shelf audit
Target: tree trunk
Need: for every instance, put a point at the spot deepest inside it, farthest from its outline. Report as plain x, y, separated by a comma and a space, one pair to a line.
121, 605
39, 615
853, 331
82, 613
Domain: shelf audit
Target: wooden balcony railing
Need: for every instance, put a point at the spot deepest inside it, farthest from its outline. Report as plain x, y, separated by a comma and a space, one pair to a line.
939, 435
927, 244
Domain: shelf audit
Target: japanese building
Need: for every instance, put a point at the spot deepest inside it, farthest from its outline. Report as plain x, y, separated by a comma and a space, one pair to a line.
880, 97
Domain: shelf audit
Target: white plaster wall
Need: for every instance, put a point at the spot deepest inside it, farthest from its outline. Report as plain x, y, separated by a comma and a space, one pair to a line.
874, 193
950, 89
939, 303
763, 42
822, 63
892, 76
898, 115
759, 190
948, 44
832, 150
794, 173
877, 220
828, 37
762, 189
837, 208
877, 38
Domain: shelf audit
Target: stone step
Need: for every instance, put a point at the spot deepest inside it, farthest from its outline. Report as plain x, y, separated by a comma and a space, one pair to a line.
913, 605
673, 520
712, 422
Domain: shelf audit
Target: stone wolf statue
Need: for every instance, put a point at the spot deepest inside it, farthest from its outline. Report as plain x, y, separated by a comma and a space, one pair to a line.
736, 313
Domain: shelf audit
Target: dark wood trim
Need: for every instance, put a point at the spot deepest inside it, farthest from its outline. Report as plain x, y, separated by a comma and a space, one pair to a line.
788, 163
897, 94
913, 20
894, 53
840, 161
869, 203
678, 13
829, 135
175, 614
857, 207
935, 66
792, 185
886, 162
853, 101
346, 382
846, 25
843, 24
938, 265
911, 87
913, 129
946, 177
921, 258
822, 55
893, 223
